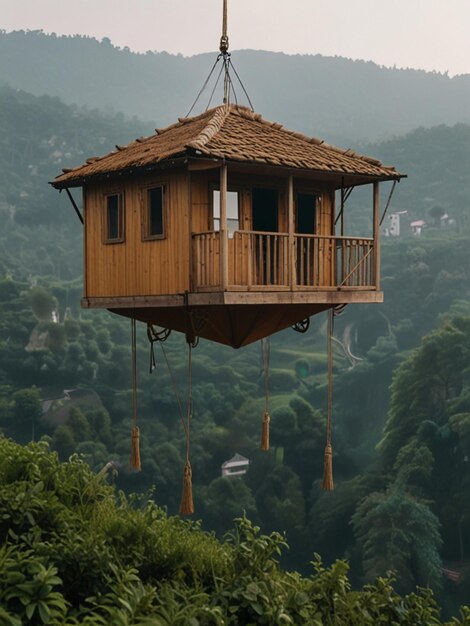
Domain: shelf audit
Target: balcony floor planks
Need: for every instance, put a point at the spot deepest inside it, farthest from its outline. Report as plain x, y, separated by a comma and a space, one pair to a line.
323, 296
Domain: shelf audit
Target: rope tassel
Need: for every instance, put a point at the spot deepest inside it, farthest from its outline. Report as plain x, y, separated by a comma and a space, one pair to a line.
328, 484
187, 505
265, 433
135, 449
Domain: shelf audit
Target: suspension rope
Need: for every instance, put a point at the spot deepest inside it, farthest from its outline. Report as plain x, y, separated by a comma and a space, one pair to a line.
242, 85
135, 441
227, 65
201, 91
187, 505
175, 389
155, 336
328, 484
224, 38
265, 354
189, 408
215, 86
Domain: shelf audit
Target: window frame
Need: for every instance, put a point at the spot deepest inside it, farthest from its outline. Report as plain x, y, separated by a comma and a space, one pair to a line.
145, 212
239, 192
121, 218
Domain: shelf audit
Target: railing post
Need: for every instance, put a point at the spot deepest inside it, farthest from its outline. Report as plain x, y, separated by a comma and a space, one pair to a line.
376, 237
291, 228
223, 229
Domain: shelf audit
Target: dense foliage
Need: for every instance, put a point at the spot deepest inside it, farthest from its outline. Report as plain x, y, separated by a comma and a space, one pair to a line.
401, 462
73, 551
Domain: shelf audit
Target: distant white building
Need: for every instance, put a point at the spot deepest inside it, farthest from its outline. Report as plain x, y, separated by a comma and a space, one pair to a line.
236, 466
417, 226
394, 224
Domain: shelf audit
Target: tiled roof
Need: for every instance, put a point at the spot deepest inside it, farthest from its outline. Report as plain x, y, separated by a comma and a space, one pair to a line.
236, 458
233, 133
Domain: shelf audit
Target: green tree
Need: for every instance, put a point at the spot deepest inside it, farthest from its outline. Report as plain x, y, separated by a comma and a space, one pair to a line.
63, 441
27, 411
42, 303
396, 532
79, 425
223, 500
425, 384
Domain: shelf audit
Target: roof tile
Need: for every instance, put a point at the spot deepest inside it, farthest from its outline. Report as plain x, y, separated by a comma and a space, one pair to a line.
233, 133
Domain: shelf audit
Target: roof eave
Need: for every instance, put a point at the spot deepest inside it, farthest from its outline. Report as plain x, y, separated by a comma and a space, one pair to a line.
359, 179
81, 181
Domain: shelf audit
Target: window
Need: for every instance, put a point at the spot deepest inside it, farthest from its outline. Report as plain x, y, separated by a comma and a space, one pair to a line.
233, 218
153, 226
114, 218
265, 209
306, 207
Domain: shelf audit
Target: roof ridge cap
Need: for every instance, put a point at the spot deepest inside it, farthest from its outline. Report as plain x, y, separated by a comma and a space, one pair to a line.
185, 120
219, 115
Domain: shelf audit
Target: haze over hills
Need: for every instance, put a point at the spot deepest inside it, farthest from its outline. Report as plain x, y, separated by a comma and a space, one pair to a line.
335, 98
421, 471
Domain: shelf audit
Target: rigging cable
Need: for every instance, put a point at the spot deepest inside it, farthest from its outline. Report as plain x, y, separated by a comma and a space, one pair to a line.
388, 202
328, 484
135, 441
265, 353
187, 505
227, 65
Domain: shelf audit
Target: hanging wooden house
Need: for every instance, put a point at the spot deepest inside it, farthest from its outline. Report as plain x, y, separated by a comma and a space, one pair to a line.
225, 226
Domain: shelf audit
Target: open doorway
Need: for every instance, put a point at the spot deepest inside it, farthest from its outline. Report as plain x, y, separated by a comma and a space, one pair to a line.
266, 246
264, 204
306, 213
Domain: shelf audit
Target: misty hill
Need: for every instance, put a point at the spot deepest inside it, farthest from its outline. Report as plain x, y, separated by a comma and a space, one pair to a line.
423, 278
335, 98
41, 135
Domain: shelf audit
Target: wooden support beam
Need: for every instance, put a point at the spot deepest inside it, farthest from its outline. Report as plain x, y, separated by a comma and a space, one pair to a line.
376, 222
198, 165
189, 209
74, 204
223, 228
291, 230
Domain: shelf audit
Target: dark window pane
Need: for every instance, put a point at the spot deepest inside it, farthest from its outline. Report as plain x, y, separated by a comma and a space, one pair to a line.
264, 203
306, 213
113, 217
155, 211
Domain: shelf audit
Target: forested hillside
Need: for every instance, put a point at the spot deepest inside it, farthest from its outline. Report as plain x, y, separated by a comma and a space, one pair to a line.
343, 100
39, 136
76, 552
65, 372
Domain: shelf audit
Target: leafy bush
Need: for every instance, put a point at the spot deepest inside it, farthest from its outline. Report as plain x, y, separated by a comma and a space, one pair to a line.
75, 552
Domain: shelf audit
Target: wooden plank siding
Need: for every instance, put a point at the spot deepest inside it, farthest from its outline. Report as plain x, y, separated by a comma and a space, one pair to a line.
137, 267
179, 262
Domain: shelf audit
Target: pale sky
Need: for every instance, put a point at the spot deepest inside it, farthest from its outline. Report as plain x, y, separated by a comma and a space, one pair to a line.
423, 34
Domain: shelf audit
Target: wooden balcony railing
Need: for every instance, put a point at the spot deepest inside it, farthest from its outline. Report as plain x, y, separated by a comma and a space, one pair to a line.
206, 257
260, 260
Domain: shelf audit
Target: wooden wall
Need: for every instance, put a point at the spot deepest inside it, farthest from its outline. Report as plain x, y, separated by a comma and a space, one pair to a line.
136, 267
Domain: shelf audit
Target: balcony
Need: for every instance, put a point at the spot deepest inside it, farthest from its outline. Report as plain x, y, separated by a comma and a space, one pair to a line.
263, 262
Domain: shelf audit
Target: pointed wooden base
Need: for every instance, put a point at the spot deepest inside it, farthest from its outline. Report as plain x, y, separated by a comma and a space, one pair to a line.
232, 318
